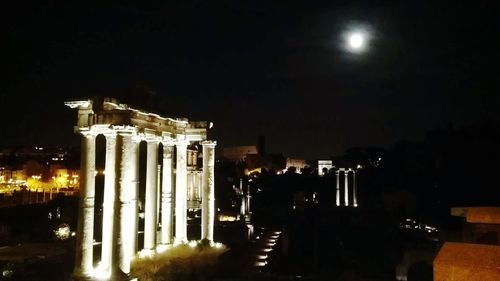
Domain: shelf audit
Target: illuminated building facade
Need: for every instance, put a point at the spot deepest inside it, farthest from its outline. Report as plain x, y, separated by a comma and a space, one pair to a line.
297, 163
32, 176
124, 128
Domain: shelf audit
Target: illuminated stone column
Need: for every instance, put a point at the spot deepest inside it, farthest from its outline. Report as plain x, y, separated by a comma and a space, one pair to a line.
134, 193
85, 231
243, 207
346, 188
158, 198
193, 159
150, 205
355, 200
181, 192
208, 191
190, 184
337, 198
249, 199
126, 180
108, 203
166, 235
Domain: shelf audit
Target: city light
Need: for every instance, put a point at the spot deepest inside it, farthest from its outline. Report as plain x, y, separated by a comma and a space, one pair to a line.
62, 232
265, 250
260, 263
228, 218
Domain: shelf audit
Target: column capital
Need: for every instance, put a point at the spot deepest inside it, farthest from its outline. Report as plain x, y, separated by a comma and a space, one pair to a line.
167, 136
209, 143
152, 140
168, 143
151, 136
110, 133
124, 130
181, 143
167, 139
124, 133
88, 133
136, 139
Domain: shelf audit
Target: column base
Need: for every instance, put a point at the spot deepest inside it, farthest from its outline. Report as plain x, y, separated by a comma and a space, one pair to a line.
82, 276
163, 247
101, 275
147, 253
178, 241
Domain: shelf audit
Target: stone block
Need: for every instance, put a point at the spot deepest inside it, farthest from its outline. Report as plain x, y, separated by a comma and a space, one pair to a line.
467, 262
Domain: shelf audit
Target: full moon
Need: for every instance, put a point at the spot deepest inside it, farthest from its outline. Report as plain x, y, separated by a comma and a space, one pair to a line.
356, 41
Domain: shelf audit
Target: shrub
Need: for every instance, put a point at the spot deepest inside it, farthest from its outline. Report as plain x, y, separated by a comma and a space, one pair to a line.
192, 262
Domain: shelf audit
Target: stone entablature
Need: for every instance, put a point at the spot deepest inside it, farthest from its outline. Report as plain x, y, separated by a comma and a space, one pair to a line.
112, 113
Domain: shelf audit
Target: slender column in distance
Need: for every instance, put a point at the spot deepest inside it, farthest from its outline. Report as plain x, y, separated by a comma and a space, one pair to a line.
108, 203
85, 228
181, 192
166, 234
151, 200
243, 207
346, 187
354, 198
337, 197
208, 191
249, 198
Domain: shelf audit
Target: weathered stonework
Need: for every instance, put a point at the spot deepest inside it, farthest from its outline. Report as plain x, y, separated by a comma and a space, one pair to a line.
124, 127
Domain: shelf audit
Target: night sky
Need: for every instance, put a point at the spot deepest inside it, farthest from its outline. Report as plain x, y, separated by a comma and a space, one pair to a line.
260, 68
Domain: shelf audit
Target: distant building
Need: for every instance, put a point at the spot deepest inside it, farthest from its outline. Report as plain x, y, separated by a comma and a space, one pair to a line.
255, 157
41, 171
295, 162
9, 175
324, 166
270, 162
238, 153
36, 152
